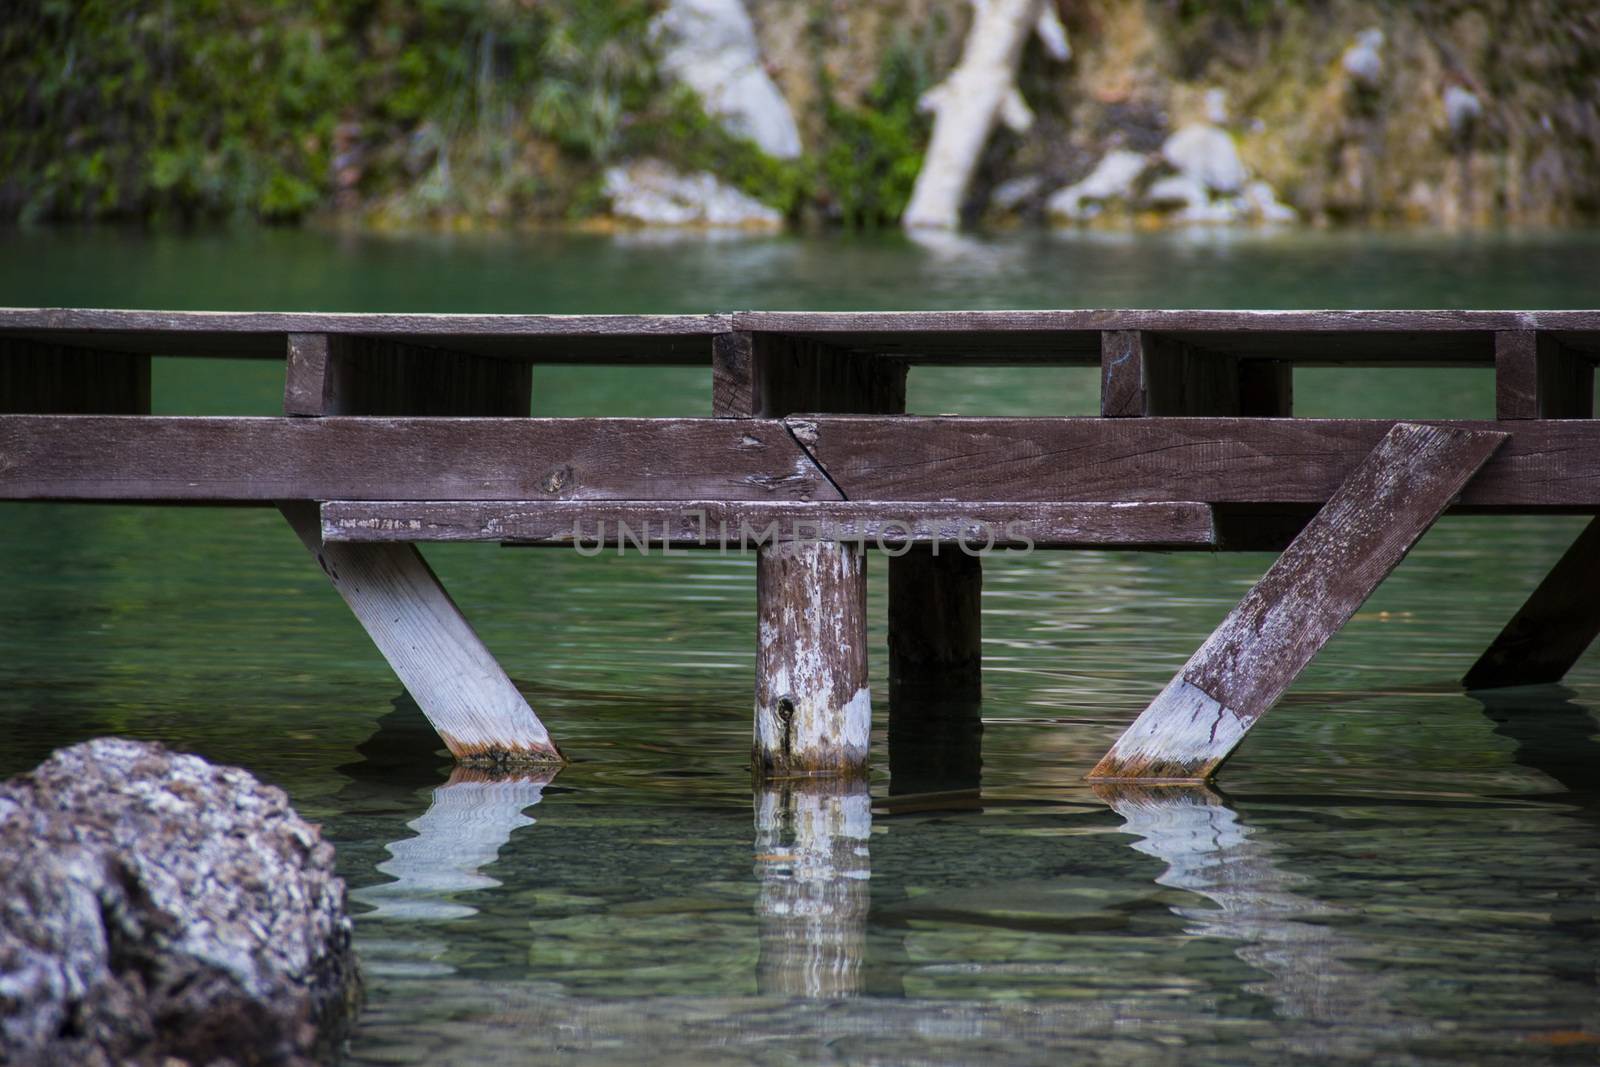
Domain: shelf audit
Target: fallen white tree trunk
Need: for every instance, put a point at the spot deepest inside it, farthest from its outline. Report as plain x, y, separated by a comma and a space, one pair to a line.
980, 91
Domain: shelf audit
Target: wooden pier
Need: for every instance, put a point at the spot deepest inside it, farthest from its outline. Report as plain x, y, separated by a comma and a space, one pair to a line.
404, 429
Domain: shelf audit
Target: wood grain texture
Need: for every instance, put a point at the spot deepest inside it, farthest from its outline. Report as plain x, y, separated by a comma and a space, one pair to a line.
447, 670
936, 625
980, 526
1257, 652
371, 458
1545, 638
626, 339
1538, 377
813, 706
333, 375
39, 377
1547, 464
733, 382
1143, 373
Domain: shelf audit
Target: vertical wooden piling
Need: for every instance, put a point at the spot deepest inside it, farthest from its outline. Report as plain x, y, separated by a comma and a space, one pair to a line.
1553, 628
813, 707
394, 594
1325, 574
1536, 377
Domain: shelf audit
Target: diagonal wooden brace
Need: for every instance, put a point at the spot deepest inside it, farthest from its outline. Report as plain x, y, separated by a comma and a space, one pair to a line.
443, 664
1328, 571
1559, 621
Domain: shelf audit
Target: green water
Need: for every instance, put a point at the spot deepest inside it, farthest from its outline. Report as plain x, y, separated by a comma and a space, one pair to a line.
1392, 871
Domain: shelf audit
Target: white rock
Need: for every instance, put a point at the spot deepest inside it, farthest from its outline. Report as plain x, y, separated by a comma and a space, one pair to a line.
1112, 178
710, 46
649, 191
1462, 108
1363, 61
1261, 201
1217, 105
1207, 154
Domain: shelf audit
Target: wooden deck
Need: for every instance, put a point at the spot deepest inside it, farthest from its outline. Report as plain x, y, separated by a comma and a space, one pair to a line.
415, 428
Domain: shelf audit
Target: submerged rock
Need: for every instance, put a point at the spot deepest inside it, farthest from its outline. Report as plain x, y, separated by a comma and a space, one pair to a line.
650, 192
155, 908
710, 46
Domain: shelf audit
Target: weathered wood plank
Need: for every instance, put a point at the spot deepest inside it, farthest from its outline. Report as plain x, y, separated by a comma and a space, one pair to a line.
1548, 464
813, 707
344, 458
625, 339
1252, 658
711, 523
1553, 628
335, 375
38, 377
1150, 374
1536, 377
390, 589
936, 624
733, 377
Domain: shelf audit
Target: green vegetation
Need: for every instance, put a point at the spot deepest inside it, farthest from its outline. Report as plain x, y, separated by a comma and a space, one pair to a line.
401, 113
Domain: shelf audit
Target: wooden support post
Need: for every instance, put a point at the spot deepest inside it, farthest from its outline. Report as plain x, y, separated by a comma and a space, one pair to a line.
1144, 373
769, 375
1358, 537
390, 588
392, 592
1553, 628
813, 707
1536, 377
1266, 388
41, 378
811, 855
935, 625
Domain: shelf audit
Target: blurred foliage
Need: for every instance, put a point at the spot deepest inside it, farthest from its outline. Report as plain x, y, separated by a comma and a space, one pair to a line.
264, 108
872, 153
424, 111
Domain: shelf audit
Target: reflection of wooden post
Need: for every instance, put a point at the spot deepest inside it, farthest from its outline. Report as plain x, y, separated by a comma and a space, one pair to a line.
813, 707
1548, 634
812, 859
468, 821
1250, 660
1208, 851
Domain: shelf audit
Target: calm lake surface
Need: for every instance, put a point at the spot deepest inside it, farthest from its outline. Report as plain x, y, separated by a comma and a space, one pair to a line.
1390, 870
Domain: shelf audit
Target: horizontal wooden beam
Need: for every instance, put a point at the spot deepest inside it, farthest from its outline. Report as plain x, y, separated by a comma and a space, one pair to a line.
1546, 465
88, 457
1338, 338
711, 523
625, 339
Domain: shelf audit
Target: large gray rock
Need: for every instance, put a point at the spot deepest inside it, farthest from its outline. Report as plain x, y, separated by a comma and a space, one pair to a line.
710, 46
155, 908
1113, 178
648, 191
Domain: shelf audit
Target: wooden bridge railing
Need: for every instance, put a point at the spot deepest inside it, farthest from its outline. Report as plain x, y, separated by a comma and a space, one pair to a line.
414, 428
